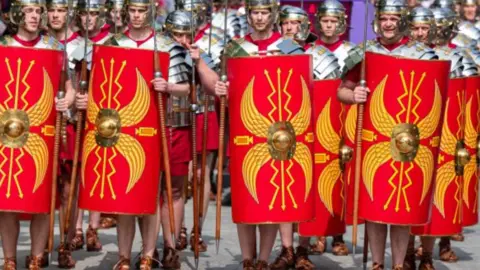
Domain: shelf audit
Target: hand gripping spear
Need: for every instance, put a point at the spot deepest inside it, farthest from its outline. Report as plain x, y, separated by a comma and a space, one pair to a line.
221, 146
163, 134
358, 150
56, 149
193, 106
83, 86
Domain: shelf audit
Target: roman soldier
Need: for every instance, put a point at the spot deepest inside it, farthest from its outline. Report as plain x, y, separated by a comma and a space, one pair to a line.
263, 40
141, 35
96, 19
332, 24
234, 28
210, 46
294, 24
58, 10
377, 203
44, 54
423, 27
469, 11
116, 19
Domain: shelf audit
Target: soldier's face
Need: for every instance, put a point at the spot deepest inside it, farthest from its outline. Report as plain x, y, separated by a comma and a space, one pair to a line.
389, 25
92, 20
182, 38
420, 32
470, 12
260, 19
33, 17
57, 17
290, 28
116, 16
137, 16
328, 25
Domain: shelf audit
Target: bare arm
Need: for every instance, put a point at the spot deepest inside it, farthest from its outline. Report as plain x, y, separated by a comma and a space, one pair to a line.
179, 89
351, 93
208, 77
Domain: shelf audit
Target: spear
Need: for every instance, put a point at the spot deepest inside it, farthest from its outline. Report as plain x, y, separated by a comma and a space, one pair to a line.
56, 149
163, 134
196, 202
221, 146
83, 86
205, 131
358, 150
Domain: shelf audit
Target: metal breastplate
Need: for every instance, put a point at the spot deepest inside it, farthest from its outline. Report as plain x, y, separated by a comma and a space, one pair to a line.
342, 53
445, 53
278, 47
216, 46
413, 50
201, 97
45, 42
325, 64
461, 40
469, 30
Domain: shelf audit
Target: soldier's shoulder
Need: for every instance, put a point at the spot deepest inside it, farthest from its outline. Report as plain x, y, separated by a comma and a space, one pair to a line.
348, 45
51, 42
5, 40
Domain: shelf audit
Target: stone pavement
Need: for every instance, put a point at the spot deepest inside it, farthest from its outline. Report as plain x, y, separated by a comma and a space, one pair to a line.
229, 255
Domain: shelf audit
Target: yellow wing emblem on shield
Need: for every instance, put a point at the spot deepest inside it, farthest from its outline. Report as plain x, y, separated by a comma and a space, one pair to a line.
445, 176
252, 119
429, 124
303, 157
253, 162
37, 148
470, 131
326, 183
133, 152
326, 134
424, 160
381, 119
468, 175
448, 141
301, 120
375, 156
136, 110
39, 112
351, 123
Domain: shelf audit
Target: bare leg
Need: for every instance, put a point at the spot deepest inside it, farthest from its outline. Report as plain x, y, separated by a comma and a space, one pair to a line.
39, 233
268, 233
377, 234
125, 234
428, 243
178, 208
79, 223
149, 236
286, 234
247, 238
9, 231
94, 220
399, 236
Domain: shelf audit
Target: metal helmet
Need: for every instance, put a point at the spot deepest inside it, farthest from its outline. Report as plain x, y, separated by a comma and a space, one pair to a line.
421, 15
394, 7
469, 2
91, 6
262, 4
446, 23
291, 13
116, 6
141, 3
17, 16
335, 9
179, 21
444, 4
200, 9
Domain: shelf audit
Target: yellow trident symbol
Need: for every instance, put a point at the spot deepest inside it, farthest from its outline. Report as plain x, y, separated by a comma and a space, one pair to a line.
282, 145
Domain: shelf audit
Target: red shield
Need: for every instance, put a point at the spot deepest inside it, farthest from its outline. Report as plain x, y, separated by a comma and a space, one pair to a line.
472, 129
447, 201
271, 139
328, 184
401, 135
29, 81
121, 149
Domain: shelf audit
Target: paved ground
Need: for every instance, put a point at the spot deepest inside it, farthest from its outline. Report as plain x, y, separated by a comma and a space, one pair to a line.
229, 255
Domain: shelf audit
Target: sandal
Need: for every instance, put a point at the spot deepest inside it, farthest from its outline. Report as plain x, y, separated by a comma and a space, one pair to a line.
122, 264
10, 264
93, 243
78, 241
65, 260
202, 247
320, 246
426, 262
170, 259
302, 262
182, 240
446, 252
339, 248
